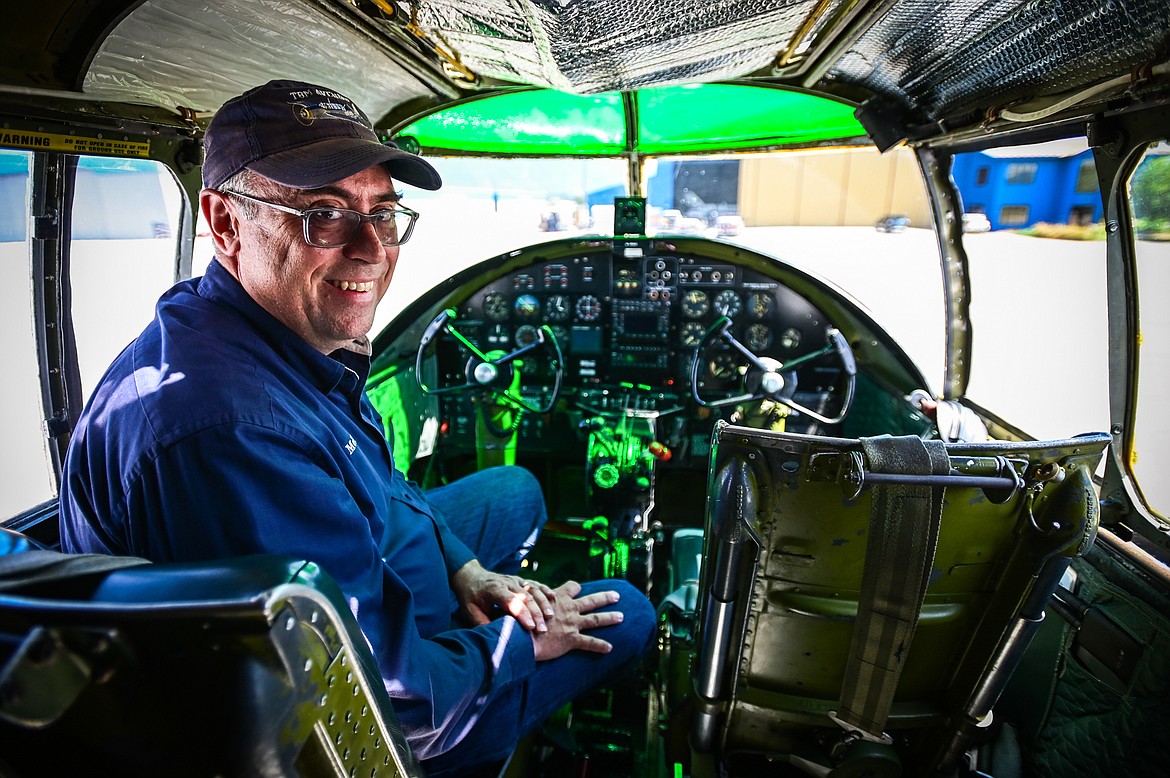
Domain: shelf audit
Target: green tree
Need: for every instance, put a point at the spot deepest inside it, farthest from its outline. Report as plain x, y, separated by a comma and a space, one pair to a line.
1150, 189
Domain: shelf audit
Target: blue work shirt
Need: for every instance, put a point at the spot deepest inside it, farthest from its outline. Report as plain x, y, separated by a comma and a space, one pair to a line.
219, 432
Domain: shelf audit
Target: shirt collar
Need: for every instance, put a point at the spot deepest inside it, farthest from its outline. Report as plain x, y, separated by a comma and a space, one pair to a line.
347, 367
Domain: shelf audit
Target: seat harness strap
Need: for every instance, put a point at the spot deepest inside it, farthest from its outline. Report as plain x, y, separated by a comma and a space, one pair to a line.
40, 566
903, 534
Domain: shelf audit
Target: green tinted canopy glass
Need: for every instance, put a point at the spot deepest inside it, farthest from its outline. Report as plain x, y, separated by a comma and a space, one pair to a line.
670, 120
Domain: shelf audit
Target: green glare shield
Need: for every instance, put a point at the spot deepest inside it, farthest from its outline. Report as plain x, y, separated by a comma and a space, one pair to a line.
527, 123
711, 117
671, 120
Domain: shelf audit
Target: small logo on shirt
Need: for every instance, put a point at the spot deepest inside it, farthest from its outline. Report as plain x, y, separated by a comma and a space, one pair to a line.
351, 446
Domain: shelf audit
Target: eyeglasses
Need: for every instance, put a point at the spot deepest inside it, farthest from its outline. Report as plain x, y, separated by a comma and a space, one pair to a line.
330, 228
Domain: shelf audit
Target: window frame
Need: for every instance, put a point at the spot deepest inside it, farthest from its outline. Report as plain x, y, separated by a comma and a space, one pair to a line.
1123, 506
161, 138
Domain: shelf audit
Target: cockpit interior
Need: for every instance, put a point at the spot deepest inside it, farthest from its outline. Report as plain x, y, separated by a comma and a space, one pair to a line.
835, 327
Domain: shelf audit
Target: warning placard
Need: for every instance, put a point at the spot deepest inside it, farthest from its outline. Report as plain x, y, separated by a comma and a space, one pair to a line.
73, 144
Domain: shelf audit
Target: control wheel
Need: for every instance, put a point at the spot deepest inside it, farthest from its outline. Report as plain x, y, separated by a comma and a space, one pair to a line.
768, 378
494, 372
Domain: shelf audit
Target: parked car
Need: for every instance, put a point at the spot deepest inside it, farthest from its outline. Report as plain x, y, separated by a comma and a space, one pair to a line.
976, 222
729, 225
896, 223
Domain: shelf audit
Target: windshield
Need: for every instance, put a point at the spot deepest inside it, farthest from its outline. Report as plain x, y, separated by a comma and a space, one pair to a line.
824, 211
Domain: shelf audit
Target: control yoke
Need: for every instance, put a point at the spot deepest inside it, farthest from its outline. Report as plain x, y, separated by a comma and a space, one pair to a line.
766, 377
490, 372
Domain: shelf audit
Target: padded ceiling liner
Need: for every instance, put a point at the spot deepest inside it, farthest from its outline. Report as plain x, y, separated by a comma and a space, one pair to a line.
199, 53
934, 60
919, 65
591, 46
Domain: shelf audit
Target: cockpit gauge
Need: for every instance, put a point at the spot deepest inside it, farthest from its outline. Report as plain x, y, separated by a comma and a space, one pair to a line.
691, 333
526, 334
695, 303
527, 307
588, 308
759, 337
724, 366
790, 338
562, 336
556, 308
760, 305
727, 303
495, 306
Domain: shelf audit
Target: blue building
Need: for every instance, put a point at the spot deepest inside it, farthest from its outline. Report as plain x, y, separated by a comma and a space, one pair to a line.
1052, 182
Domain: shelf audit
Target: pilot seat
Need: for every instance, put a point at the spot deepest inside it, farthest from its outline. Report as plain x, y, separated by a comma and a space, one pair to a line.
252, 666
862, 603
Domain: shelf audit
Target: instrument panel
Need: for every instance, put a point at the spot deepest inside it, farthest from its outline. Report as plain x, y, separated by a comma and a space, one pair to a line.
628, 319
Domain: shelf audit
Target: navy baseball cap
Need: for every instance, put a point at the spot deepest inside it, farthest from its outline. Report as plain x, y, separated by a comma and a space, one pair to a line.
304, 136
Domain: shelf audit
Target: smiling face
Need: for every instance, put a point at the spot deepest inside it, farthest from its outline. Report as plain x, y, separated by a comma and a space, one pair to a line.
325, 295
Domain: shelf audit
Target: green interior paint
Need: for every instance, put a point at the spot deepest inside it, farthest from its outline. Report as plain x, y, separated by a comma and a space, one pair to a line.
671, 120
387, 400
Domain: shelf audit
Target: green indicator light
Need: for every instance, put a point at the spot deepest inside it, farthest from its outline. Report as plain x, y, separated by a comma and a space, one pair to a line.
606, 476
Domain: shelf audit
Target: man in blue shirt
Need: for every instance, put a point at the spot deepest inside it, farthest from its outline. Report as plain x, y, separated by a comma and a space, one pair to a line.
236, 423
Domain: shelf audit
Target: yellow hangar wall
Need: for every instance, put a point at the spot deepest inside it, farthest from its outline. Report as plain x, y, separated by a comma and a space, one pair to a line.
832, 187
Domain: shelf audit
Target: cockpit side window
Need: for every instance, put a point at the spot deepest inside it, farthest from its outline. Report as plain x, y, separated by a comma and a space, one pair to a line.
28, 478
124, 243
123, 248
1035, 243
1149, 200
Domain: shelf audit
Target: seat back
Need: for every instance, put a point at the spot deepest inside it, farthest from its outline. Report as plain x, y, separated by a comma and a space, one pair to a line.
249, 666
795, 563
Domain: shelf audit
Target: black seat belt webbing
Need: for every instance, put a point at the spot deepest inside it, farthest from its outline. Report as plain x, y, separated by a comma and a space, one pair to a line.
903, 534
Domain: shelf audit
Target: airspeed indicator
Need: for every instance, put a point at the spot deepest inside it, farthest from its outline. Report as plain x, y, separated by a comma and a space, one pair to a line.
495, 307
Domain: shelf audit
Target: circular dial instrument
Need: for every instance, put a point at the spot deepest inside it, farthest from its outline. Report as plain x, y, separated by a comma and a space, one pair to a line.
727, 303
691, 333
556, 308
695, 303
588, 308
760, 305
759, 337
495, 306
723, 365
790, 338
562, 336
527, 307
526, 334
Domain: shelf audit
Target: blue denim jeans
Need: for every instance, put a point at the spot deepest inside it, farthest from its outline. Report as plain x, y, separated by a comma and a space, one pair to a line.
498, 513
